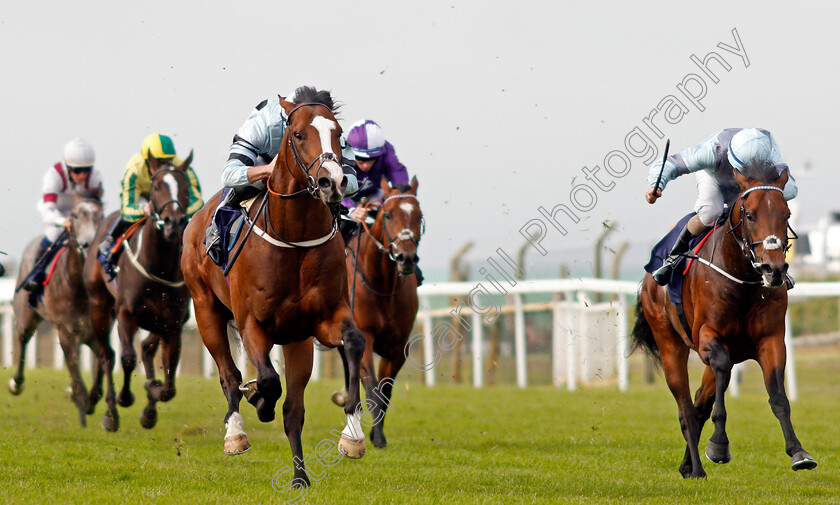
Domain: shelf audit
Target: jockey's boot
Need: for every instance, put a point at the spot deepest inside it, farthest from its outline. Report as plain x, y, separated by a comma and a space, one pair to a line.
105, 257
36, 277
663, 274
212, 237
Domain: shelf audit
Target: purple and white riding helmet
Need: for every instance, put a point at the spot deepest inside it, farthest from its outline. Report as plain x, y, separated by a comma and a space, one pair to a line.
366, 139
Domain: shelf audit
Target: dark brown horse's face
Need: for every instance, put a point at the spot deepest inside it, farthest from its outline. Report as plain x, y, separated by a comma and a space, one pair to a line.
765, 224
402, 224
316, 136
84, 220
169, 198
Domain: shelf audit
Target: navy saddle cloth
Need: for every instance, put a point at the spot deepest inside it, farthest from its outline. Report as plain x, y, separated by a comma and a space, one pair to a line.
660, 252
229, 221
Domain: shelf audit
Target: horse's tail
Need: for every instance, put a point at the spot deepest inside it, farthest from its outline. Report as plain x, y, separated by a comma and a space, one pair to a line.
643, 334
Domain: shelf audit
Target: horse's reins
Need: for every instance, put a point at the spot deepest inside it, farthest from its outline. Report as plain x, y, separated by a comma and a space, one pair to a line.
746, 244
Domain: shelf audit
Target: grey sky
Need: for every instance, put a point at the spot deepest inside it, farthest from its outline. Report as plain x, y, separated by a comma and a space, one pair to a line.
495, 108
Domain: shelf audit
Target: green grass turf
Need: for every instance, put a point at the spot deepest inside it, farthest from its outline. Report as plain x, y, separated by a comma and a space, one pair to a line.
448, 444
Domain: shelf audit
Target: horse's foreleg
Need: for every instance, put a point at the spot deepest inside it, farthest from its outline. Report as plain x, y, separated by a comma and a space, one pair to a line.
704, 400
340, 397
333, 333
674, 364
373, 400
26, 321
126, 328
258, 345
772, 358
70, 347
155, 389
106, 359
720, 363
388, 369
298, 359
101, 324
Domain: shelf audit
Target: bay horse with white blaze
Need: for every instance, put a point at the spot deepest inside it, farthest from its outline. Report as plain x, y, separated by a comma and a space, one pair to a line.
385, 295
64, 304
287, 284
734, 308
149, 291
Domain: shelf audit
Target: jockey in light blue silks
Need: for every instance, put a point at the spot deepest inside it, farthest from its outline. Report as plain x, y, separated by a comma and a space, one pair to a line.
251, 158
712, 161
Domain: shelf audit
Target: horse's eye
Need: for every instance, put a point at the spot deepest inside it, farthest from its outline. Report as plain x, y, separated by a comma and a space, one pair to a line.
750, 217
298, 136
386, 215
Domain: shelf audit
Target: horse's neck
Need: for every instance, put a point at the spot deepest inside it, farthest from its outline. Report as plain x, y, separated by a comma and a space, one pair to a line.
158, 256
380, 271
299, 218
728, 254
74, 261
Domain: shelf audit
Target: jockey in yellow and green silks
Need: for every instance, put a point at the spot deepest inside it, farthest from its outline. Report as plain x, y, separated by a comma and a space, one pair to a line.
137, 184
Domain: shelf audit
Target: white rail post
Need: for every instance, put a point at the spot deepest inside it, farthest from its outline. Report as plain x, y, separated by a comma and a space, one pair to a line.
477, 344
790, 368
276, 356
86, 358
58, 354
621, 344
428, 344
556, 344
316, 363
585, 334
116, 345
571, 346
207, 363
32, 351
241, 360
519, 341
7, 336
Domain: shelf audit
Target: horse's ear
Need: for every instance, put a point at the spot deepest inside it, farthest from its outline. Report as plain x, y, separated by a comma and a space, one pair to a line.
741, 179
385, 185
287, 106
783, 177
187, 162
151, 161
414, 185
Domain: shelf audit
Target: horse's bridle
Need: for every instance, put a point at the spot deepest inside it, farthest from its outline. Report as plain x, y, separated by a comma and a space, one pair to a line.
404, 235
745, 242
154, 210
312, 182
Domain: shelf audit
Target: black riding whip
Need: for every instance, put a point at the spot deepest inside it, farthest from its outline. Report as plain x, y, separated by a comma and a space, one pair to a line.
665, 157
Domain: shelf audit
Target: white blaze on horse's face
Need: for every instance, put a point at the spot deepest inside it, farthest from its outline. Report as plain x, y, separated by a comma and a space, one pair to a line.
407, 208
172, 183
87, 216
325, 128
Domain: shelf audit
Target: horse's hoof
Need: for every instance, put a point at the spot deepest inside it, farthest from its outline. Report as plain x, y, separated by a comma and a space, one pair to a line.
378, 440
15, 388
111, 422
125, 398
249, 391
236, 444
351, 448
339, 398
718, 453
803, 461
154, 388
148, 419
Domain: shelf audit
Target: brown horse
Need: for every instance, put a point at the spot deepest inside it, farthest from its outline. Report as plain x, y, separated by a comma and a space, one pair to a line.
287, 284
385, 295
734, 306
149, 291
65, 304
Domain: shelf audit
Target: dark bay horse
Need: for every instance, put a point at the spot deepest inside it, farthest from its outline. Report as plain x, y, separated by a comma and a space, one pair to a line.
149, 290
385, 297
287, 285
735, 311
65, 304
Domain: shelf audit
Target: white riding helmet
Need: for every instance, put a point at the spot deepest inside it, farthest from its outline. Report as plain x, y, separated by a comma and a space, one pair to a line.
79, 153
751, 144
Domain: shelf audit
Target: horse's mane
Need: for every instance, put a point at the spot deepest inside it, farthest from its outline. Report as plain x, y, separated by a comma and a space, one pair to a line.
309, 94
404, 188
763, 171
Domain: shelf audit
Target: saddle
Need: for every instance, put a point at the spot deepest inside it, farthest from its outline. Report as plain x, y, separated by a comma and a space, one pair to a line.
42, 270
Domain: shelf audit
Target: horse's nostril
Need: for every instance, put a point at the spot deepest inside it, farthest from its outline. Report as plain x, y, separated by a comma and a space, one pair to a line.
343, 183
400, 258
325, 182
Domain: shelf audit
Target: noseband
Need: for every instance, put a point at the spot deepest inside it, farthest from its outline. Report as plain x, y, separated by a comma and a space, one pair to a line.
312, 182
745, 242
405, 235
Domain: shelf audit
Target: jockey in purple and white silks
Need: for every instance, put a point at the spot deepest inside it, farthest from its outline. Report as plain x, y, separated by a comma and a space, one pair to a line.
251, 157
713, 161
375, 159
75, 173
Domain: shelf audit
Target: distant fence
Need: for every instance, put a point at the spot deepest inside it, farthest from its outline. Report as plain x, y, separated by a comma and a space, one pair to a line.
587, 338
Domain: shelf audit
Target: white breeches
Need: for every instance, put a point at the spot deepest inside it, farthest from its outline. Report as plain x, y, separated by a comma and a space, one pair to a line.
709, 204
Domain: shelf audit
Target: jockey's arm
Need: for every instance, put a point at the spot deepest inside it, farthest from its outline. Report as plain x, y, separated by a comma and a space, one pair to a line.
195, 201
700, 157
51, 188
132, 199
